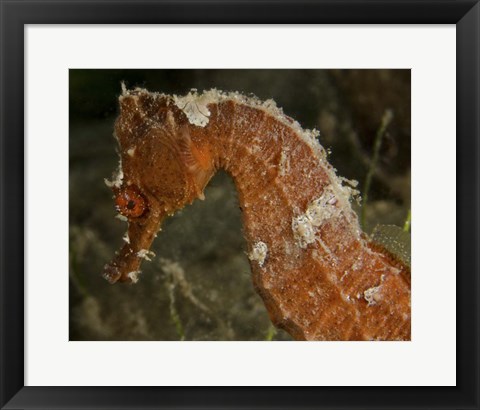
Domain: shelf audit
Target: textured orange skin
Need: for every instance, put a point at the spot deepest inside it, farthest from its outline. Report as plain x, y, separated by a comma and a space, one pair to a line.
313, 292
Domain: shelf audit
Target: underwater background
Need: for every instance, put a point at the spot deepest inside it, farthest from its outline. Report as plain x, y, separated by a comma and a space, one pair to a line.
198, 287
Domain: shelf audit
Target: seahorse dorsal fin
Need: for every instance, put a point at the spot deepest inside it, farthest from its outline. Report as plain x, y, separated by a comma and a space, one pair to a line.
395, 240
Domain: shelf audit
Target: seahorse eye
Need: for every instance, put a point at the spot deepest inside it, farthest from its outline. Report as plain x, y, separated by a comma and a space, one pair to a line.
130, 202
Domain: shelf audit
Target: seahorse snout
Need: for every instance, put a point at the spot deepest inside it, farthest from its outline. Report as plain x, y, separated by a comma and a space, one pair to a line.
111, 273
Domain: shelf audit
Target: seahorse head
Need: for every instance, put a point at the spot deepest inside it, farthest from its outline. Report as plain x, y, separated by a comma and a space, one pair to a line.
161, 169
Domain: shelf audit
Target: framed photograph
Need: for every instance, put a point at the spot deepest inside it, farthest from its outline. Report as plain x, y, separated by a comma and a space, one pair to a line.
239, 205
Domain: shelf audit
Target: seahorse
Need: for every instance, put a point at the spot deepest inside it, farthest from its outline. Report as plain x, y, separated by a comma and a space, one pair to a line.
319, 275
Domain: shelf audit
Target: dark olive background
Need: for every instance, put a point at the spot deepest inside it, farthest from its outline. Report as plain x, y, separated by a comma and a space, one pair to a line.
215, 299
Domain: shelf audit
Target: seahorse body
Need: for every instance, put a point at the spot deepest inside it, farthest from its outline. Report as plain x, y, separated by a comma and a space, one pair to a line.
318, 274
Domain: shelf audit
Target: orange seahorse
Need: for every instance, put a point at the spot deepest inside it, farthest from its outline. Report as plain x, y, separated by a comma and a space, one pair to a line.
318, 274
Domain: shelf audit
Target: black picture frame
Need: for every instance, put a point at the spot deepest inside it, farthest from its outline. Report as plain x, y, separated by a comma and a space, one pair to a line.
16, 14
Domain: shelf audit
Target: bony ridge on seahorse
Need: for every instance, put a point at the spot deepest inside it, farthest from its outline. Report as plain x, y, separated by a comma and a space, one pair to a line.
317, 273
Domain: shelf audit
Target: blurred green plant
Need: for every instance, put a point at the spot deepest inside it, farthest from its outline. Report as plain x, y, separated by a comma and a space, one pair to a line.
386, 120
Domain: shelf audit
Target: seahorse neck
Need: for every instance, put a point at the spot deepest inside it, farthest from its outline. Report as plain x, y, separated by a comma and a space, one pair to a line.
310, 261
